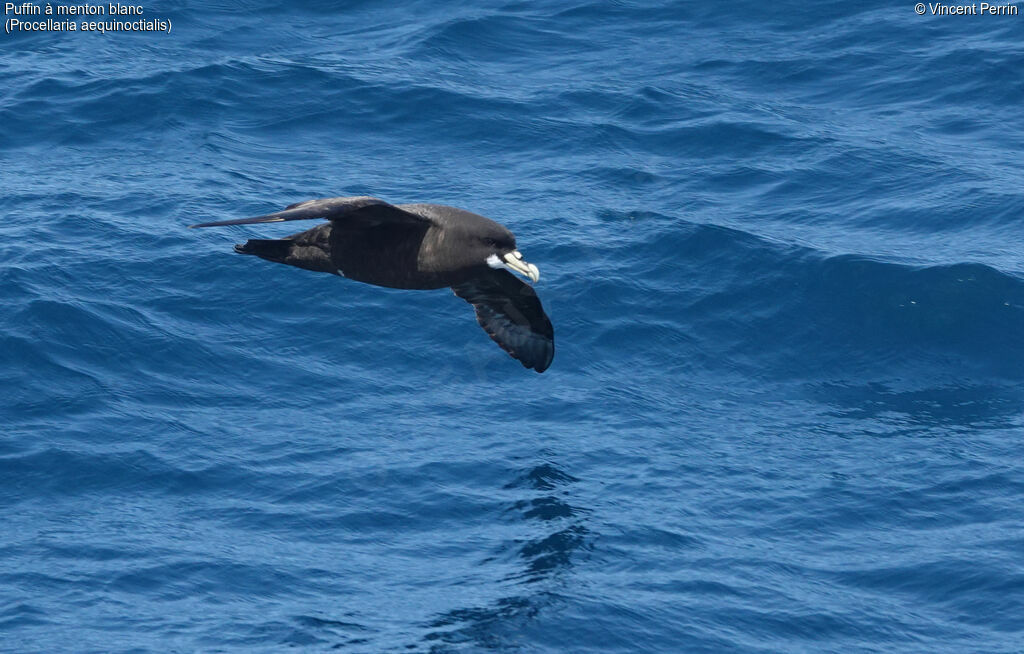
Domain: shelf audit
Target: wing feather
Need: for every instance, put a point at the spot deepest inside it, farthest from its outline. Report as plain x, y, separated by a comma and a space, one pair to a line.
510, 312
363, 208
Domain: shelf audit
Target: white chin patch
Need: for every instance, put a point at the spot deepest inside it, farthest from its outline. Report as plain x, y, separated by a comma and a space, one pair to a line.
513, 262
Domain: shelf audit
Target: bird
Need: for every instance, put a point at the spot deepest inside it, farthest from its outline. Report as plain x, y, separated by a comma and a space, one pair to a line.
420, 247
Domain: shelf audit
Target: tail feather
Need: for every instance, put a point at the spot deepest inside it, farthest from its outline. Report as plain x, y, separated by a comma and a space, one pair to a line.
272, 249
310, 256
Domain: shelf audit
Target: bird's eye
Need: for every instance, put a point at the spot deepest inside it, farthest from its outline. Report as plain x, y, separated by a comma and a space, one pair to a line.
491, 242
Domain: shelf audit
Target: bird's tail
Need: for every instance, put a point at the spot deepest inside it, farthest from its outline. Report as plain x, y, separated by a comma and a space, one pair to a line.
292, 251
271, 249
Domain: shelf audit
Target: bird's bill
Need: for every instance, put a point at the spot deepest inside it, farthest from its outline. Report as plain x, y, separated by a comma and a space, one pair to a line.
514, 261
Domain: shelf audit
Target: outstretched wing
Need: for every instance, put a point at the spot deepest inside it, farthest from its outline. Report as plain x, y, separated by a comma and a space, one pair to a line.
510, 312
363, 208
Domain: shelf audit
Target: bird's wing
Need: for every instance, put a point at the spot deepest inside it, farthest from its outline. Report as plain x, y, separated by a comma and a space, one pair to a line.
363, 208
510, 312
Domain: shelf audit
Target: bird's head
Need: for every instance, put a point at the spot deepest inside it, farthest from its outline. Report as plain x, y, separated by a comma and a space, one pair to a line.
499, 247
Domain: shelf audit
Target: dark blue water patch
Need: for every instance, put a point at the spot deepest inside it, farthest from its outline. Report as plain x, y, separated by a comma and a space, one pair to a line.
964, 308
21, 615
835, 312
502, 38
544, 560
544, 477
60, 472
962, 405
950, 583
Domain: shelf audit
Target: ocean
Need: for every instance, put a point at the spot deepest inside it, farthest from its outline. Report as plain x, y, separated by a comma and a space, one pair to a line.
780, 245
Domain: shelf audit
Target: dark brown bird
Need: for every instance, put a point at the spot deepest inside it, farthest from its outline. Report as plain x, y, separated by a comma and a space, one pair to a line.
419, 246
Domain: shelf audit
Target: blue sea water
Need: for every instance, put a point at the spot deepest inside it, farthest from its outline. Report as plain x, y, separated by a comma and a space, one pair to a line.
780, 244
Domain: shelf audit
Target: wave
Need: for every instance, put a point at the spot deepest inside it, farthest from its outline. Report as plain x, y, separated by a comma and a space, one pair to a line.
722, 294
